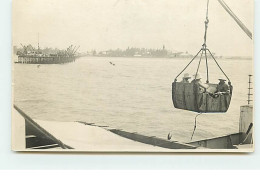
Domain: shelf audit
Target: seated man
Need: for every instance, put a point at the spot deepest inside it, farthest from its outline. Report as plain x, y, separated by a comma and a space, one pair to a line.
222, 87
186, 78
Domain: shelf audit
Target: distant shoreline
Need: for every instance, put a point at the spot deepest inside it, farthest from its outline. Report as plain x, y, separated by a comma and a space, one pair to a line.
185, 58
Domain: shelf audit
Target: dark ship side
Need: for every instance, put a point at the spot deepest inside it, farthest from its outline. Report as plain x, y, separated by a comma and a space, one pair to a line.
29, 55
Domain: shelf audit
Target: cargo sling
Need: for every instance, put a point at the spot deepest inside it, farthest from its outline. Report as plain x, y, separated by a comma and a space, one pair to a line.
187, 96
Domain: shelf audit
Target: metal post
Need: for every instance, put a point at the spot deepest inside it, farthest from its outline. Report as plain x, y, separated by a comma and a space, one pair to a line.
249, 90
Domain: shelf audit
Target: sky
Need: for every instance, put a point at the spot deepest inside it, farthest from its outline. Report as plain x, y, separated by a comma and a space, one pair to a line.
111, 24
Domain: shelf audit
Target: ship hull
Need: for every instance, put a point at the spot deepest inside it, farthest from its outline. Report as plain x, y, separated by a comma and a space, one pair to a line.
45, 60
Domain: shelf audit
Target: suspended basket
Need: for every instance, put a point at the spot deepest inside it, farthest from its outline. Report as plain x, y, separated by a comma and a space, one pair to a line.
188, 96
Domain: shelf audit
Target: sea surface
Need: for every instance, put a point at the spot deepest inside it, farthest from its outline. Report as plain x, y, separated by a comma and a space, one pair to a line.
133, 95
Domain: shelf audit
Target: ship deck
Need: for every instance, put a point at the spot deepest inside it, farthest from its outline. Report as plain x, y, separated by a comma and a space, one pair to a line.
35, 135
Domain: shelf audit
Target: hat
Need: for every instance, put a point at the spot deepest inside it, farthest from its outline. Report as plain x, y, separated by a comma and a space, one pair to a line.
197, 77
221, 79
186, 75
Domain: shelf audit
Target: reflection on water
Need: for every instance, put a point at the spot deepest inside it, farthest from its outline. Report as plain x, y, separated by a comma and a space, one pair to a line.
133, 95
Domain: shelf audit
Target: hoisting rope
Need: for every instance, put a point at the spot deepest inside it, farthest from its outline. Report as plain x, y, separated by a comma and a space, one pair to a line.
206, 25
207, 66
198, 65
195, 125
238, 21
219, 66
204, 49
187, 65
205, 40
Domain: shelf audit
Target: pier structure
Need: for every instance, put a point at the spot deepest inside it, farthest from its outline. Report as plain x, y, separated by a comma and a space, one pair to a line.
25, 59
32, 56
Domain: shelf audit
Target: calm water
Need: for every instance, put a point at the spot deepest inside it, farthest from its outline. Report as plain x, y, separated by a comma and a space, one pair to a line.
134, 95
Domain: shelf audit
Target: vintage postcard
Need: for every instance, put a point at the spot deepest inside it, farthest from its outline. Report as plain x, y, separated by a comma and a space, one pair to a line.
133, 75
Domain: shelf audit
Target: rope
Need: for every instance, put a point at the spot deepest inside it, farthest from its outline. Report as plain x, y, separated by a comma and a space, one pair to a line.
198, 65
205, 49
206, 25
218, 65
207, 9
204, 46
195, 125
187, 65
207, 66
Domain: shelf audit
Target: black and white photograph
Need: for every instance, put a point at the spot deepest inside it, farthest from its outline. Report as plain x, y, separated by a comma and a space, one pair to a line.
133, 75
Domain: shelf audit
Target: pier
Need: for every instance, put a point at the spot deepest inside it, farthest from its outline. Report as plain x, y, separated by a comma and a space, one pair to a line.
25, 59
30, 55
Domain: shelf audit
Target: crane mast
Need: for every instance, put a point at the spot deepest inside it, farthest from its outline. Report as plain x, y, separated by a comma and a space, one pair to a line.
238, 21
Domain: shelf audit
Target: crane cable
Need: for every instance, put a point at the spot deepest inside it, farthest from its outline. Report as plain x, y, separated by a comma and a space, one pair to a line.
206, 24
205, 50
204, 46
